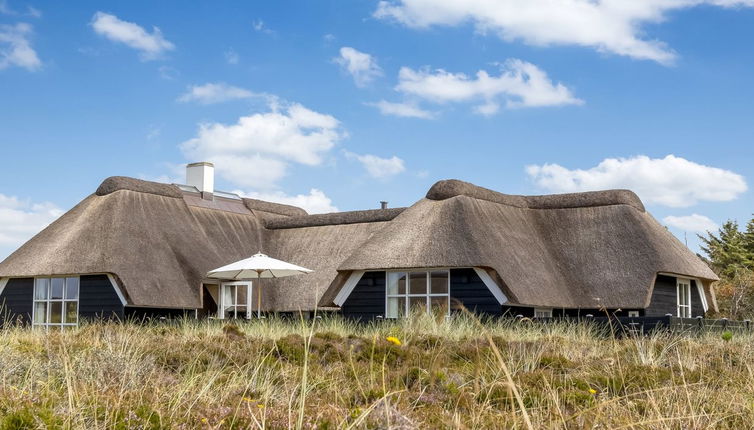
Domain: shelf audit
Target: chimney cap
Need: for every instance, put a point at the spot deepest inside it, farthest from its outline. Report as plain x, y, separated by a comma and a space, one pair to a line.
383, 204
200, 163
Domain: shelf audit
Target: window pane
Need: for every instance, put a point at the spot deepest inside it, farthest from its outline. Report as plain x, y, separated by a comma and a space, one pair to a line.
228, 295
41, 286
417, 304
396, 307
71, 312
418, 282
241, 297
56, 288
396, 283
71, 288
439, 282
40, 313
439, 305
56, 312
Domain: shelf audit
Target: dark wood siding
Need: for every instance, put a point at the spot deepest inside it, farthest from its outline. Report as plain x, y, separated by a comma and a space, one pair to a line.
663, 299
98, 299
17, 301
467, 288
367, 300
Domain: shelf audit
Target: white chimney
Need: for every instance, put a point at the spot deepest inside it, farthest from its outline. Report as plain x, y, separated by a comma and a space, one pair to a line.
202, 176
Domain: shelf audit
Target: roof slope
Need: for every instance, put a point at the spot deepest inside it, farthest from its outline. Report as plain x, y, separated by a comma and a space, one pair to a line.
581, 250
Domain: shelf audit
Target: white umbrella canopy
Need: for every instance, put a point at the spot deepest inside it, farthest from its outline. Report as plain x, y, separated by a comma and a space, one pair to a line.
257, 266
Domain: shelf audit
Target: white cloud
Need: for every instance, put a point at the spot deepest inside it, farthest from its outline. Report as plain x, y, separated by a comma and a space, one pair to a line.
670, 181
150, 45
256, 151
360, 65
520, 84
214, 93
261, 27
615, 26
406, 110
20, 220
232, 57
693, 223
314, 202
378, 167
16, 49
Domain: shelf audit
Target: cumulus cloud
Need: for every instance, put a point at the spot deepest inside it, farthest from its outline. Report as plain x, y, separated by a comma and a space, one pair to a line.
21, 219
16, 49
671, 181
150, 45
360, 65
210, 93
379, 167
256, 151
405, 110
616, 27
693, 223
519, 84
315, 202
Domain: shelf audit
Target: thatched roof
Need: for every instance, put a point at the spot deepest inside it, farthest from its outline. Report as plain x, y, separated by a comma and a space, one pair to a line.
158, 241
584, 250
575, 250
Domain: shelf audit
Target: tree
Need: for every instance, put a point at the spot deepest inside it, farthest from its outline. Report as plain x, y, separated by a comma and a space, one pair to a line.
730, 250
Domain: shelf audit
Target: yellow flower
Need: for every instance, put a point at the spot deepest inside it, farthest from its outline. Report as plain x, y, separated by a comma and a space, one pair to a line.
260, 406
394, 340
592, 391
204, 420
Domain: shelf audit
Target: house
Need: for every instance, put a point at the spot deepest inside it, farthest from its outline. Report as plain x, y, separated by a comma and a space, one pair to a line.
137, 248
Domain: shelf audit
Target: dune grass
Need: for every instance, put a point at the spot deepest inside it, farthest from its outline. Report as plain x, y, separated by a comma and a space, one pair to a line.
331, 373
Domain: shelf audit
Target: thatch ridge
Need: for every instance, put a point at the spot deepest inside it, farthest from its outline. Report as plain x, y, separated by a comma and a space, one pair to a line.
276, 208
449, 188
335, 218
118, 183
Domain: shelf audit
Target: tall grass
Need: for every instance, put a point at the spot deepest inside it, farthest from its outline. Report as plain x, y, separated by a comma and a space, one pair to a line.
332, 373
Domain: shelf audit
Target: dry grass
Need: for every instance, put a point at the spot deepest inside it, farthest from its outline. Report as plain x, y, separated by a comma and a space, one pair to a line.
335, 374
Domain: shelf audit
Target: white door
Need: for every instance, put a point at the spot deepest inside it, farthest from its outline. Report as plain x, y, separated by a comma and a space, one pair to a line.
235, 300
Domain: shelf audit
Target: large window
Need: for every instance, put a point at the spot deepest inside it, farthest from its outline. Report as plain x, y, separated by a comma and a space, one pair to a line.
683, 293
417, 291
56, 302
235, 300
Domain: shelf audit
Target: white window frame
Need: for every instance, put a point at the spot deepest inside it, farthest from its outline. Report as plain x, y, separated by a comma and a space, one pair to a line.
633, 314
249, 290
407, 295
542, 312
683, 297
49, 300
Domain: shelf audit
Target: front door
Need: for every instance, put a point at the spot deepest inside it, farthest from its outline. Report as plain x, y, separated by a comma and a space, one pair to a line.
235, 300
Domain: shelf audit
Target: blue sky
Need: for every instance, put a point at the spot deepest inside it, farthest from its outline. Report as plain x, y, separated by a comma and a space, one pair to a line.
340, 104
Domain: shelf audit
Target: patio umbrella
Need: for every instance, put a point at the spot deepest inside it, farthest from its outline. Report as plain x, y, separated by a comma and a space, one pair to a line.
256, 267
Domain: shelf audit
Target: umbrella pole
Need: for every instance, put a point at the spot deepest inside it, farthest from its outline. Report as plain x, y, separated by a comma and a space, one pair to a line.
259, 295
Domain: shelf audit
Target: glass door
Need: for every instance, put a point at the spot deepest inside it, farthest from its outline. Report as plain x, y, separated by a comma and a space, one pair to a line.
235, 300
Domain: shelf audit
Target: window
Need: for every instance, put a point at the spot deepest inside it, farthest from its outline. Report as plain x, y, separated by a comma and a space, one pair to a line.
56, 302
542, 313
418, 291
235, 301
633, 314
683, 293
